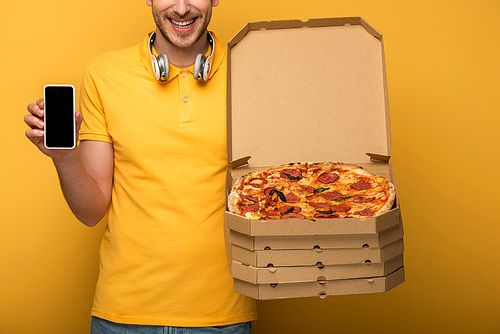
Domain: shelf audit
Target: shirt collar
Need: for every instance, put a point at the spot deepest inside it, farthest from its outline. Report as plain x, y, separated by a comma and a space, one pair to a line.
218, 56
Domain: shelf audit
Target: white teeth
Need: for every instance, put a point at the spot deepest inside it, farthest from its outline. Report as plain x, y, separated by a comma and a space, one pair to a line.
184, 24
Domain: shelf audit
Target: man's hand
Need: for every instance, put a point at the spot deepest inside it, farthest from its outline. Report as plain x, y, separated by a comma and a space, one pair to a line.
36, 132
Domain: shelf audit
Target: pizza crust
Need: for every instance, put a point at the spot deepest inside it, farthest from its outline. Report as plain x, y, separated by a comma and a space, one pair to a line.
390, 202
232, 201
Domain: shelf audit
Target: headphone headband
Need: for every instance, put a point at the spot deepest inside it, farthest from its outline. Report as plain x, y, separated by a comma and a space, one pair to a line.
161, 66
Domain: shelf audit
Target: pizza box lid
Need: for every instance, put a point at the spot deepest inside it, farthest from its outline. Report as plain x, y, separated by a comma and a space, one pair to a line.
321, 288
307, 91
316, 273
309, 257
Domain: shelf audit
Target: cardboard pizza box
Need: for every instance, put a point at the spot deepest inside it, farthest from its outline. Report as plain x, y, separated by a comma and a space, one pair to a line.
316, 241
334, 226
272, 275
308, 91
321, 288
305, 257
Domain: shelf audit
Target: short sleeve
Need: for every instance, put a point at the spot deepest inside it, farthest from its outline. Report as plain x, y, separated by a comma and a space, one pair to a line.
94, 125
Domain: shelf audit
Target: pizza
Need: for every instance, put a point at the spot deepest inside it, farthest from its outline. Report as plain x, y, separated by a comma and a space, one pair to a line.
311, 191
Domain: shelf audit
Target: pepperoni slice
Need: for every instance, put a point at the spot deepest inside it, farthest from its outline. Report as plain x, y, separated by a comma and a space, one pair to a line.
292, 209
319, 204
292, 198
328, 177
268, 190
340, 208
365, 212
361, 185
249, 208
307, 189
322, 215
250, 198
292, 174
293, 216
257, 182
361, 199
271, 200
270, 213
284, 209
332, 195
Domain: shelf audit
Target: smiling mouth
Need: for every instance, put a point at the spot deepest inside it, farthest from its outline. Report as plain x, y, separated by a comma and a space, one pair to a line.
182, 24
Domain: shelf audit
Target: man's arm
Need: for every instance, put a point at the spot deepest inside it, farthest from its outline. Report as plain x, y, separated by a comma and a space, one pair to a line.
85, 173
86, 180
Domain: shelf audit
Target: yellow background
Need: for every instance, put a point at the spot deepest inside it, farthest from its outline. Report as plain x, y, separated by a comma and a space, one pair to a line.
443, 71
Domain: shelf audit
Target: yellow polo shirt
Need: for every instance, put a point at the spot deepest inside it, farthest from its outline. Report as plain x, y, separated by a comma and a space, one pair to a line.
162, 257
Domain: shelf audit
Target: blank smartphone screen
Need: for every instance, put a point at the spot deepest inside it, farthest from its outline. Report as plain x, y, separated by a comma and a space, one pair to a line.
59, 116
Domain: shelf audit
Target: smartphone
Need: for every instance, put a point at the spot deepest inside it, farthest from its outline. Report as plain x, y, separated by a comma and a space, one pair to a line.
59, 116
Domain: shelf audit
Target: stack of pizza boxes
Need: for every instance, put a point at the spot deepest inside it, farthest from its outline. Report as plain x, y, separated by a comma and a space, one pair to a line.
307, 92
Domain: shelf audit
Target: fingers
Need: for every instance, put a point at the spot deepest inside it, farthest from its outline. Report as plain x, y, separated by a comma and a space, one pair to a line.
36, 131
35, 121
41, 103
34, 135
37, 109
36, 127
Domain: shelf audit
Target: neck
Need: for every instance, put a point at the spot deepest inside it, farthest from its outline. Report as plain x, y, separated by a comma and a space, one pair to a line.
180, 57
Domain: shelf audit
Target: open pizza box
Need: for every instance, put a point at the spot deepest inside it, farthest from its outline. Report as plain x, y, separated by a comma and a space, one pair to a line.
307, 92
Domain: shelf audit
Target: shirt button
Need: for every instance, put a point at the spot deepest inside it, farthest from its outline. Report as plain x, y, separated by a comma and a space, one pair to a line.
184, 74
185, 100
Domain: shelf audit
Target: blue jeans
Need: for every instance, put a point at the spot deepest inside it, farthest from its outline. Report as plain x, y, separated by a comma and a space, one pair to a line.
101, 326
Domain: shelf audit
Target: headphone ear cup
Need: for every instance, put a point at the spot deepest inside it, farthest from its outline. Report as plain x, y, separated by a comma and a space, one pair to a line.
154, 65
199, 66
163, 68
207, 68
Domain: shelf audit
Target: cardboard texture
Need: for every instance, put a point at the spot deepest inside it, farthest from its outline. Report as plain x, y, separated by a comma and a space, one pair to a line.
272, 275
309, 80
305, 257
310, 91
313, 227
321, 289
316, 241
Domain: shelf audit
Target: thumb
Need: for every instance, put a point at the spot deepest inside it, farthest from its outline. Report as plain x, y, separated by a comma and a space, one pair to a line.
79, 120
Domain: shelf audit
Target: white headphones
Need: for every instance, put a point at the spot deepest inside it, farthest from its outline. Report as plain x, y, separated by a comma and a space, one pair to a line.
161, 66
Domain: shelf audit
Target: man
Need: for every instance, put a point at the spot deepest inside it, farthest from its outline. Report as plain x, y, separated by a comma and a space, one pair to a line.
152, 157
